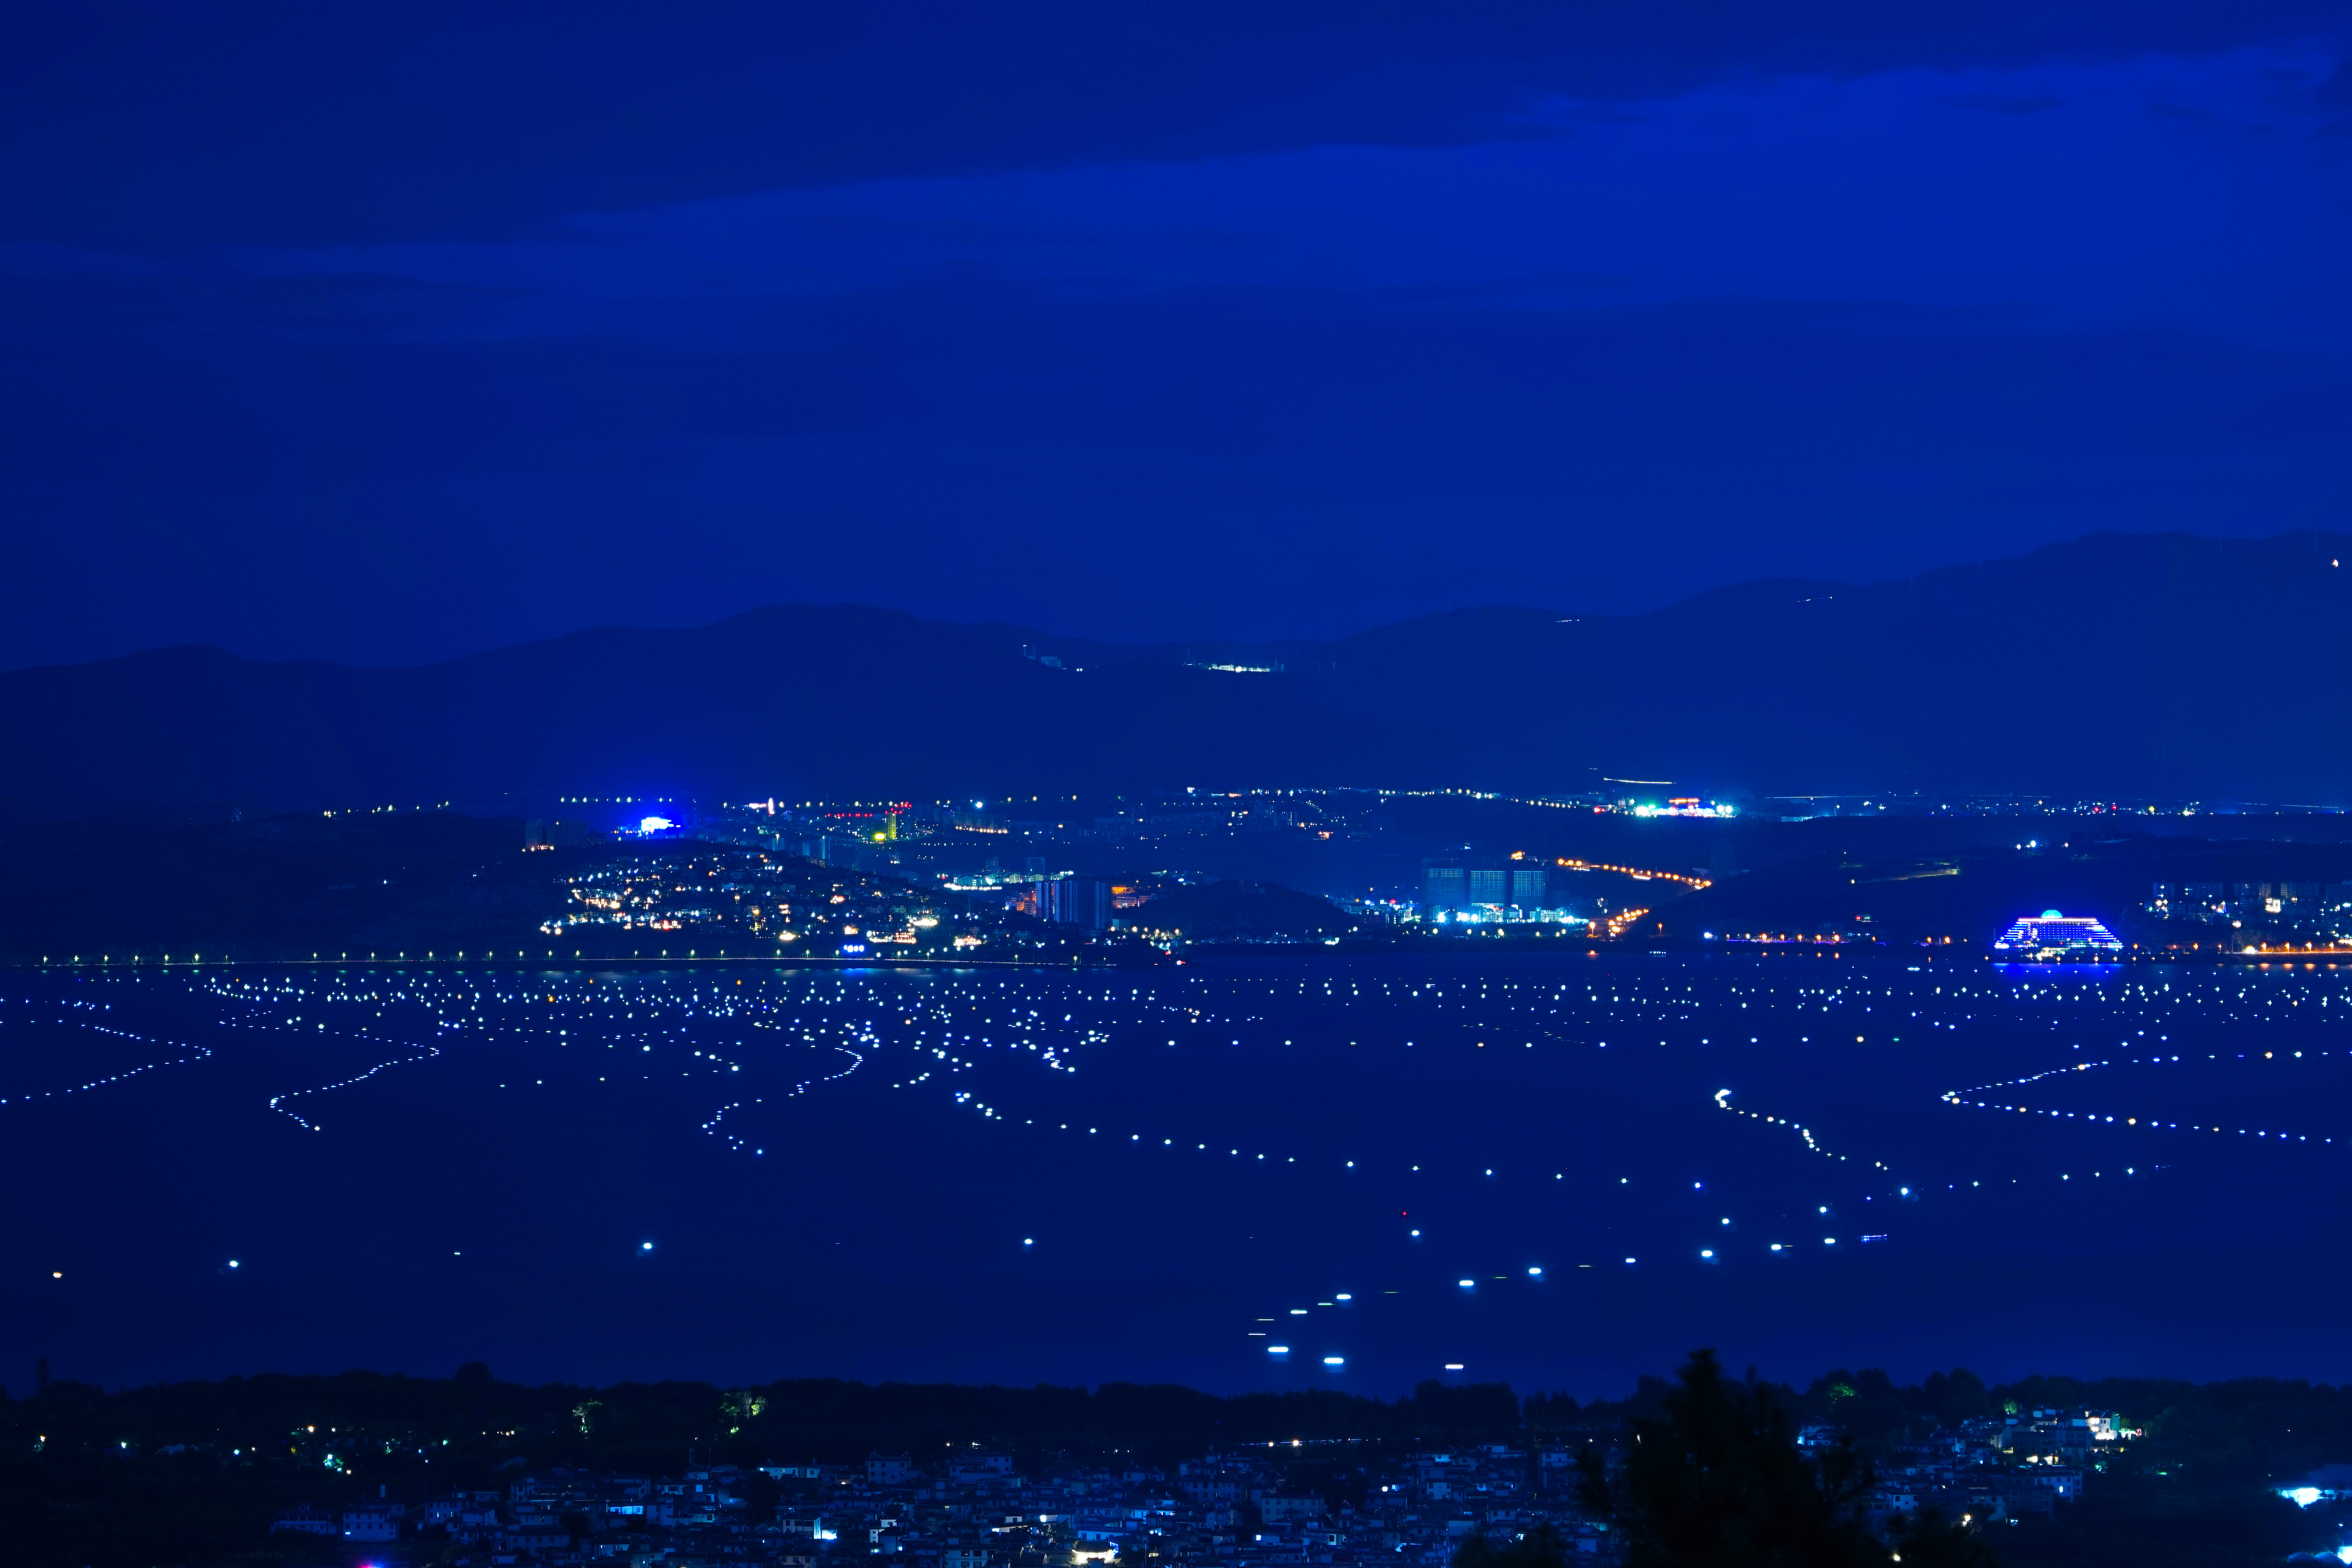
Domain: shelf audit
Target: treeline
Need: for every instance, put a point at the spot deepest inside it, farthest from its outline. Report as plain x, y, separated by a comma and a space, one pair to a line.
2253, 1428
655, 1425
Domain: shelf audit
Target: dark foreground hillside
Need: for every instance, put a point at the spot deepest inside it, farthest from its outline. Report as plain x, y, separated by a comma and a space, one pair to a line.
194, 1473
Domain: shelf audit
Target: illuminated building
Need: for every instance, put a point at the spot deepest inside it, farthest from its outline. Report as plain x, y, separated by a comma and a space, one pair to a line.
2051, 935
1484, 891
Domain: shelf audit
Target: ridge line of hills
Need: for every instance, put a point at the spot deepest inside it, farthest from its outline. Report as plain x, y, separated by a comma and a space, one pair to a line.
2144, 665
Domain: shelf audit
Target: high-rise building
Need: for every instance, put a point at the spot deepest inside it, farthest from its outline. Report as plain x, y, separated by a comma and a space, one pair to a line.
1489, 886
1075, 901
1528, 886
1444, 888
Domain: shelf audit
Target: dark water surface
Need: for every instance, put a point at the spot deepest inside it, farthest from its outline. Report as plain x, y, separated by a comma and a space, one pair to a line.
1021, 1176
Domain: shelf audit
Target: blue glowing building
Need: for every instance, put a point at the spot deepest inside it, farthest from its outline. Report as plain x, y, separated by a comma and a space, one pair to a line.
2050, 936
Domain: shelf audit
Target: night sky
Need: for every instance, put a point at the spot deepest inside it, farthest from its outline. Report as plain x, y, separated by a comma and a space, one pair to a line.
385, 334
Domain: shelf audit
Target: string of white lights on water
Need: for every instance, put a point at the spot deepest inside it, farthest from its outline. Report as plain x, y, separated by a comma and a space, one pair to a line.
1813, 1144
990, 1044
278, 1102
1968, 1097
188, 1053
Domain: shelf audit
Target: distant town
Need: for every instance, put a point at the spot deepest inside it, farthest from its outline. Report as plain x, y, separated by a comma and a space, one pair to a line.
1336, 1502
1156, 880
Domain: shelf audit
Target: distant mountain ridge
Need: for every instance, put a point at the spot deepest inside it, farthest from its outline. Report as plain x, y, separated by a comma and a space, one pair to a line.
2144, 664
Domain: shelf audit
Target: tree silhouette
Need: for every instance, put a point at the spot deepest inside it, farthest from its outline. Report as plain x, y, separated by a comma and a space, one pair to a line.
1718, 1481
1928, 1540
1539, 1548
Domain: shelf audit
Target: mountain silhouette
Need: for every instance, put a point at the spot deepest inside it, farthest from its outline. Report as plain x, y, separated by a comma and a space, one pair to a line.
2162, 665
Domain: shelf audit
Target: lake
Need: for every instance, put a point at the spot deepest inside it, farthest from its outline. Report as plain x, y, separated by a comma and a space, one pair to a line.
1556, 1171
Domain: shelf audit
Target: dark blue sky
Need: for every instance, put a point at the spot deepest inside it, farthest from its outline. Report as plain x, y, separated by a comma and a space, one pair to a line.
389, 334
